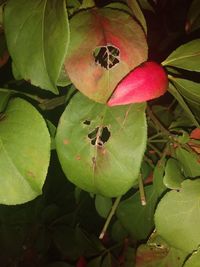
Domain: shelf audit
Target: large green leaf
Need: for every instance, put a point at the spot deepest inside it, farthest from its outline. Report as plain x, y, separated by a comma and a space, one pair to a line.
37, 38
138, 219
177, 217
186, 56
94, 31
24, 153
193, 260
188, 89
101, 148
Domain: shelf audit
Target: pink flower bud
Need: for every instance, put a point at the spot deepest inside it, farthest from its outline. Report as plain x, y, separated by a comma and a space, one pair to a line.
145, 82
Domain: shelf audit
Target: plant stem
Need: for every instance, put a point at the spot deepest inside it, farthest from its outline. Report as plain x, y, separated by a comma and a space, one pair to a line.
112, 212
149, 161
141, 189
155, 149
158, 123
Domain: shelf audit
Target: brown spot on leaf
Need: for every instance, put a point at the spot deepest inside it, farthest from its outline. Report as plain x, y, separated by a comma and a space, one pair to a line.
30, 173
65, 141
78, 157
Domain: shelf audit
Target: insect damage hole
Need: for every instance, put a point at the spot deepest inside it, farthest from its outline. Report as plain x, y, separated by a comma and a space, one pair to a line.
99, 136
107, 56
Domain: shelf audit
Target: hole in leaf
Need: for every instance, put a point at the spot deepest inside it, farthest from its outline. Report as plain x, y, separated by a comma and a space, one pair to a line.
93, 134
107, 56
87, 122
99, 137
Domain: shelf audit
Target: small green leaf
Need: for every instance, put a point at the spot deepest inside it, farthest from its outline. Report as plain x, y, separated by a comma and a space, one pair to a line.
101, 148
138, 219
177, 217
137, 12
183, 104
173, 176
190, 162
193, 260
24, 153
103, 205
185, 57
37, 39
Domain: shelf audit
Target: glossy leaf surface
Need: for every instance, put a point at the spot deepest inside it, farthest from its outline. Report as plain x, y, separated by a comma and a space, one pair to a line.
101, 148
24, 153
193, 260
186, 56
177, 217
37, 39
95, 30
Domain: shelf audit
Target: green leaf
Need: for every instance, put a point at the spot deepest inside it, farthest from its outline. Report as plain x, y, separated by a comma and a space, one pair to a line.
137, 12
103, 205
63, 79
185, 57
93, 33
177, 217
146, 5
37, 39
188, 89
193, 260
173, 176
158, 175
4, 97
135, 218
87, 4
118, 232
101, 148
24, 153
120, 6
189, 162
183, 104
193, 18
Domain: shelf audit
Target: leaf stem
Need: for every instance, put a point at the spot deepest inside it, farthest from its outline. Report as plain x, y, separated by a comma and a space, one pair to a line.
111, 214
141, 190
